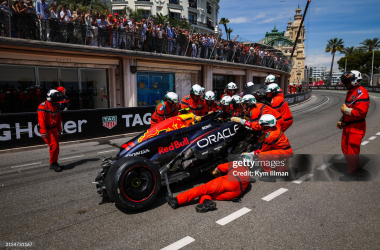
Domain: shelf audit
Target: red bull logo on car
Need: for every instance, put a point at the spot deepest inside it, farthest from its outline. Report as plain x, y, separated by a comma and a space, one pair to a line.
174, 145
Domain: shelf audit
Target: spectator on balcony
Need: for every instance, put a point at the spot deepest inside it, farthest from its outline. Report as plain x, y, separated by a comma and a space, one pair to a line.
53, 23
169, 37
43, 15
102, 31
20, 18
149, 37
31, 21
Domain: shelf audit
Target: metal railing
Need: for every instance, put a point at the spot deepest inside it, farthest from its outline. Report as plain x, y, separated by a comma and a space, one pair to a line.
28, 26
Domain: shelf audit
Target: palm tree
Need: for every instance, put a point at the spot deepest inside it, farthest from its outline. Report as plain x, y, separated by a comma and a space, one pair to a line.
161, 19
334, 45
137, 15
359, 50
229, 31
349, 51
371, 44
224, 22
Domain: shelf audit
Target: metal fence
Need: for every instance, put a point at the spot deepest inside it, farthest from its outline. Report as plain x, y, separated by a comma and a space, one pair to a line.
140, 37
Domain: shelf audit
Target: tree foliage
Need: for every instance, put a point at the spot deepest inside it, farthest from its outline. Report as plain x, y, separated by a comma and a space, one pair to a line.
224, 22
334, 45
360, 61
371, 44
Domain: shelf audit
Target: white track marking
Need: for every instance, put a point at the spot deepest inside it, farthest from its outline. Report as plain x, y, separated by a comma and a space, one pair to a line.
372, 138
303, 178
274, 194
378, 133
68, 158
365, 142
328, 99
233, 216
339, 157
179, 244
20, 166
107, 151
322, 167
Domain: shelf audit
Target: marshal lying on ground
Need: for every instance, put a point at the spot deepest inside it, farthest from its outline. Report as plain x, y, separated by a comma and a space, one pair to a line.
173, 150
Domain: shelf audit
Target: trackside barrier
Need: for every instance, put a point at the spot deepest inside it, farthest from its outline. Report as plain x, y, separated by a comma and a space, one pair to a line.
368, 88
20, 129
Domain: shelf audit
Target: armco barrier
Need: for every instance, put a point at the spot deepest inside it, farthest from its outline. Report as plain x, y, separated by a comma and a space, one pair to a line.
368, 88
20, 130
297, 98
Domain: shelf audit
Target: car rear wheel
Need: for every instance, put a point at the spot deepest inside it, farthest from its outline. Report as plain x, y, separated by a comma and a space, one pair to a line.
133, 182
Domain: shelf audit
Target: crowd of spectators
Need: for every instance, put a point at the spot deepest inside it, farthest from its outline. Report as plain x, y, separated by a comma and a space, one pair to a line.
58, 24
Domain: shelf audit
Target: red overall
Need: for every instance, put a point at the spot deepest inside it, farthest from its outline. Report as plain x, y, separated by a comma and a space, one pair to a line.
163, 111
281, 106
197, 108
236, 111
355, 126
276, 147
211, 108
50, 123
262, 109
223, 188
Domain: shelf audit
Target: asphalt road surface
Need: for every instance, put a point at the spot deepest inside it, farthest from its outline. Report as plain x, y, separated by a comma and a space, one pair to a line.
62, 211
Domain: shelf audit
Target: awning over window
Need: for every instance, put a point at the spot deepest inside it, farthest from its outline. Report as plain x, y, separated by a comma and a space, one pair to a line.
118, 7
143, 7
175, 11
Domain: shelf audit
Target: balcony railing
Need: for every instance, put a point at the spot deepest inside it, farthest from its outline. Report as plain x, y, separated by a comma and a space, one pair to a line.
101, 35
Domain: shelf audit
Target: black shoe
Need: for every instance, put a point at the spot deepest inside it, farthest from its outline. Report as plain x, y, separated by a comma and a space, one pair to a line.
349, 177
207, 205
56, 167
172, 201
267, 178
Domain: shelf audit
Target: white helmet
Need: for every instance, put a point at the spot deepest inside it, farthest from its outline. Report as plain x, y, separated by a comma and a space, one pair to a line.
232, 85
249, 84
268, 120
210, 96
237, 99
249, 99
226, 100
171, 97
358, 77
270, 79
196, 90
273, 88
54, 96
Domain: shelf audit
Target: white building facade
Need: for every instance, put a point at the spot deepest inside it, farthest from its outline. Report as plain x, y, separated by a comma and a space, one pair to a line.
202, 14
335, 78
316, 72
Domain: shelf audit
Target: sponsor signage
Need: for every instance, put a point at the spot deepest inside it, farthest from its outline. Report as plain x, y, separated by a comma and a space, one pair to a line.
368, 88
20, 130
109, 121
174, 145
220, 135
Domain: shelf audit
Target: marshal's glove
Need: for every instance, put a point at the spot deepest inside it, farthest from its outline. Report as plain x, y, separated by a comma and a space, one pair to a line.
198, 118
345, 110
238, 120
215, 172
339, 125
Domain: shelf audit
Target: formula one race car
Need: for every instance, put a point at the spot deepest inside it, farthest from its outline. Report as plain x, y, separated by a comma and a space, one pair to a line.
169, 152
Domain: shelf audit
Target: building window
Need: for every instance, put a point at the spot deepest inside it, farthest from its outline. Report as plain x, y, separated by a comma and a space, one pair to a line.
209, 8
193, 3
174, 1
93, 89
175, 15
152, 87
145, 13
219, 83
23, 88
192, 18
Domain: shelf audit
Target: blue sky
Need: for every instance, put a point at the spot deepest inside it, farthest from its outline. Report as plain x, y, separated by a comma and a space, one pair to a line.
353, 21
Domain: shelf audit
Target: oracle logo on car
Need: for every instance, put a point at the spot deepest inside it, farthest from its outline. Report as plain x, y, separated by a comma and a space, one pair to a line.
215, 138
173, 145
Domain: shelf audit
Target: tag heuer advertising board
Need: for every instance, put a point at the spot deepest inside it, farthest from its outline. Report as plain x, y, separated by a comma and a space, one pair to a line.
109, 121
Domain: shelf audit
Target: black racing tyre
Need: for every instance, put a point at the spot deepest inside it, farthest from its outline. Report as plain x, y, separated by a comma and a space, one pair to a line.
133, 182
